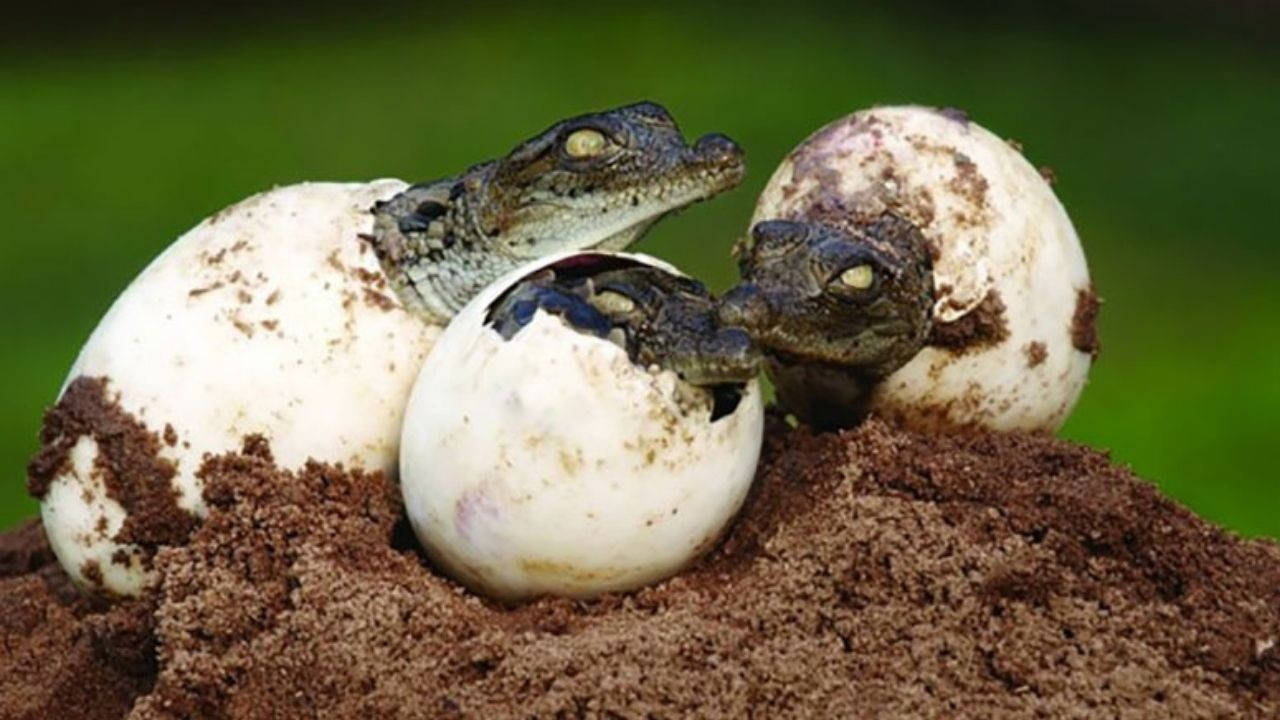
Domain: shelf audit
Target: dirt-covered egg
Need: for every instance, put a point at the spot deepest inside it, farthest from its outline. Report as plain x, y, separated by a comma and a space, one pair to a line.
584, 425
892, 206
270, 317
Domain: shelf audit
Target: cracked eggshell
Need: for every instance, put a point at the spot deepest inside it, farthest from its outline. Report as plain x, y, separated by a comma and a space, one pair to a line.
550, 464
269, 317
1013, 321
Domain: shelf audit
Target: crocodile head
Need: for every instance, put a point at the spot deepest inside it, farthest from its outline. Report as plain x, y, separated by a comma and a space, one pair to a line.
661, 319
834, 307
594, 181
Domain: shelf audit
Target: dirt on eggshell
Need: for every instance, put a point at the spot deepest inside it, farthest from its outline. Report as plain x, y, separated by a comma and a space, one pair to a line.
877, 572
981, 327
1084, 322
128, 462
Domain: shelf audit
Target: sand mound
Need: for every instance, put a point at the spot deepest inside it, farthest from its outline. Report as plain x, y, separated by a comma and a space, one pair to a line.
876, 572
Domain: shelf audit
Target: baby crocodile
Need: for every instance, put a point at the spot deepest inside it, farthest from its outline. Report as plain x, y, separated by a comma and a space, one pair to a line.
593, 181
661, 319
834, 308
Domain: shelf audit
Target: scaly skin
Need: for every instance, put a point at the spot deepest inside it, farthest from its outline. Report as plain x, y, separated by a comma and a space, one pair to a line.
661, 319
826, 339
594, 181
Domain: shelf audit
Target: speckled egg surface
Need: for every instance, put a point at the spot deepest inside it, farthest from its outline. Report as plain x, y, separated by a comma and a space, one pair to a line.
271, 317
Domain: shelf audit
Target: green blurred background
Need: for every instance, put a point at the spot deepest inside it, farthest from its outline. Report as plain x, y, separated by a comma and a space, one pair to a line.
120, 131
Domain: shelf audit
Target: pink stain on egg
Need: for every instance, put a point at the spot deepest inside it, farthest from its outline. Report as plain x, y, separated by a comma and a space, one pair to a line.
475, 505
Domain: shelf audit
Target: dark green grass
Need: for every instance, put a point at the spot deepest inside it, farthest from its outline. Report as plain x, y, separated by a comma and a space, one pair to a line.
1164, 147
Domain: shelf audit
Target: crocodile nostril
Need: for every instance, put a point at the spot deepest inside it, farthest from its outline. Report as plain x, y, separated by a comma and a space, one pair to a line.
735, 348
778, 231
718, 147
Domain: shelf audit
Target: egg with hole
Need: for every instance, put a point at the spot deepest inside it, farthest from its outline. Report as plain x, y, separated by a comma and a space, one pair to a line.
906, 261
585, 425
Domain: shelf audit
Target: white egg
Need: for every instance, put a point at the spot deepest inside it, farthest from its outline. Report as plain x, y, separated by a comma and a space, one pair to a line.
1014, 311
269, 317
551, 464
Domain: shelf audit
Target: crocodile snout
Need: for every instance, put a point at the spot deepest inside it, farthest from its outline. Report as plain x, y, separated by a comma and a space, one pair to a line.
745, 306
721, 153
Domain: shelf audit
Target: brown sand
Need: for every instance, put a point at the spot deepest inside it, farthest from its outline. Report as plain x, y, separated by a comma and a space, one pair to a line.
62, 655
873, 573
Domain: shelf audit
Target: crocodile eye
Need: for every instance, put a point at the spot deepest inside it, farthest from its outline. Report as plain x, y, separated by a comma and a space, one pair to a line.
584, 143
858, 277
613, 303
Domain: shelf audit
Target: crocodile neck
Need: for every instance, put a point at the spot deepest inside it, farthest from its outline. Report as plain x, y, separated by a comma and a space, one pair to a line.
433, 248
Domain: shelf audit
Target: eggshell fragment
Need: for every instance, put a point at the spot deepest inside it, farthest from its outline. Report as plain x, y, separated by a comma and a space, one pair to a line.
271, 317
551, 464
1013, 336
